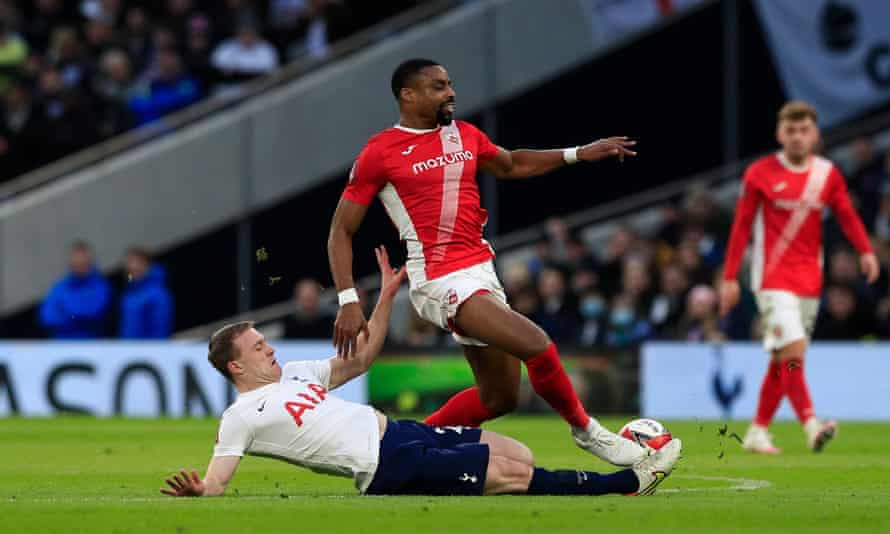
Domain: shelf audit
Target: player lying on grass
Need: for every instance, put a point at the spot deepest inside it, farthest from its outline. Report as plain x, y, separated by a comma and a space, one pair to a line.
288, 413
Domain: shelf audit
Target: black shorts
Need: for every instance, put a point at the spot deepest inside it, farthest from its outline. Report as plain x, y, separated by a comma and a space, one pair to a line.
418, 459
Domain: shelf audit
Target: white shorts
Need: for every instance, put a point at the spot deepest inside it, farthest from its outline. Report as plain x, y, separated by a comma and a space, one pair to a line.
437, 301
786, 317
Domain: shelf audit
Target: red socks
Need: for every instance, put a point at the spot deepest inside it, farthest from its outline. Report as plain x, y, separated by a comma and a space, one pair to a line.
771, 393
548, 379
551, 382
463, 409
795, 386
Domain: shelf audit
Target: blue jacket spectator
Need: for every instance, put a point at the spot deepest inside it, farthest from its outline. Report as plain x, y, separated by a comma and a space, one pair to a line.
77, 305
170, 90
146, 304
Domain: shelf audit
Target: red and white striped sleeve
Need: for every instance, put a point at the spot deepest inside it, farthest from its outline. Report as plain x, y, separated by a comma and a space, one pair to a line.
746, 209
850, 222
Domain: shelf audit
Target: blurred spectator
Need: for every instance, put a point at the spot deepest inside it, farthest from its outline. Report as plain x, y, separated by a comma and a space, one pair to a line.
198, 48
865, 175
243, 57
670, 302
626, 329
137, 38
309, 320
578, 256
146, 310
100, 36
557, 311
13, 51
542, 257
45, 16
108, 10
594, 315
699, 322
637, 283
843, 269
22, 129
70, 122
171, 90
113, 87
689, 256
77, 305
611, 272
66, 56
840, 318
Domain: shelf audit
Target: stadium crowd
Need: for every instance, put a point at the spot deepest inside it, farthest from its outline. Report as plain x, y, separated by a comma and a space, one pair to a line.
83, 305
75, 72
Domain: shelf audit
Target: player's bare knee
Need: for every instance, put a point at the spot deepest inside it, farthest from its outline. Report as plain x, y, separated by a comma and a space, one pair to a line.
506, 475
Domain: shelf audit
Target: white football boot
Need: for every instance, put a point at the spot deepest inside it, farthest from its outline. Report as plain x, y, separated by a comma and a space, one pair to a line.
758, 440
819, 433
608, 446
651, 471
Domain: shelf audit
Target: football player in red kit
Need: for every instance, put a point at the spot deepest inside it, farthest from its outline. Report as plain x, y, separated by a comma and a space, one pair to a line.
423, 170
782, 201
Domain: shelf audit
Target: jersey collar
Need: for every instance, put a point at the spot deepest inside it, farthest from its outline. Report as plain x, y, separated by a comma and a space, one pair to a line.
398, 126
790, 166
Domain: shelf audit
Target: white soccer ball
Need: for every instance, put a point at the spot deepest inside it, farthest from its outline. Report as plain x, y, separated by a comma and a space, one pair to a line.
646, 432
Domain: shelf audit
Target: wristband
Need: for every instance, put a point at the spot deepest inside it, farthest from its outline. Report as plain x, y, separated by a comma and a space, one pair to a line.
570, 155
347, 296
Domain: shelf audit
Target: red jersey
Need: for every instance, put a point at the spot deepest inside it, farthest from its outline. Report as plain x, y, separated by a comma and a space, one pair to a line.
784, 205
426, 180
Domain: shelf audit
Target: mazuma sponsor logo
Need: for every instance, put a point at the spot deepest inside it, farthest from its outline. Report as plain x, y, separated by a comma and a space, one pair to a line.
441, 161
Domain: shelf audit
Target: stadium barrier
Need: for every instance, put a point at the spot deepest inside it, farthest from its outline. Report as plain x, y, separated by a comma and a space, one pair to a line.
682, 381
132, 379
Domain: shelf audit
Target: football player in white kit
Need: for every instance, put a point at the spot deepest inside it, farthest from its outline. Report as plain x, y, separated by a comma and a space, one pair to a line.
288, 413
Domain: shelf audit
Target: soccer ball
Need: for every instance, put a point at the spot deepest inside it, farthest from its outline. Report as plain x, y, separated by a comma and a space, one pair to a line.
646, 432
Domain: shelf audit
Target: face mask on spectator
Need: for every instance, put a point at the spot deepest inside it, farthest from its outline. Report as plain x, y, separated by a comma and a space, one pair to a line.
592, 307
622, 317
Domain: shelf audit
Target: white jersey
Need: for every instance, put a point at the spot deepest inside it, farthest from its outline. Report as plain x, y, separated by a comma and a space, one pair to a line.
298, 421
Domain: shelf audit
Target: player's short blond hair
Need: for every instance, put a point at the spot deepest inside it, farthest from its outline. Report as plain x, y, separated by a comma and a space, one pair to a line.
221, 349
797, 110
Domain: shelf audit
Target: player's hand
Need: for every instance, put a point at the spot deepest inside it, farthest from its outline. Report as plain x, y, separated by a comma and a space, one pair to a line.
184, 484
349, 323
870, 267
390, 279
607, 148
729, 296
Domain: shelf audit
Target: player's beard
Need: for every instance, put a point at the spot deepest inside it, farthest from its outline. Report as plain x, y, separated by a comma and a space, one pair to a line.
444, 116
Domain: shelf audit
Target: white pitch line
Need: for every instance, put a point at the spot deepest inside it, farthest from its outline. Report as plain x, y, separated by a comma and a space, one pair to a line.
738, 484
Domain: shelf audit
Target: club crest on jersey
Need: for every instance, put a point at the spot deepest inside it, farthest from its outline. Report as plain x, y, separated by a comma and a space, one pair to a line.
441, 161
451, 297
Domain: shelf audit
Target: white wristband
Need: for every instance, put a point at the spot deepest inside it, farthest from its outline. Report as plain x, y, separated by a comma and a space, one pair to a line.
570, 155
347, 296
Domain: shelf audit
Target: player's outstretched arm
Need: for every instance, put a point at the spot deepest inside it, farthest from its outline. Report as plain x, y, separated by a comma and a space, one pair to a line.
350, 319
746, 209
527, 163
368, 346
189, 484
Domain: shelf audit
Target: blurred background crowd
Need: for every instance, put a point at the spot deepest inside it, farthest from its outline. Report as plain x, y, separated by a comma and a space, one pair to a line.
76, 72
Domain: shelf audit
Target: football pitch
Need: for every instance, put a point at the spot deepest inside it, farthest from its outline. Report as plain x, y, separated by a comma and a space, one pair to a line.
93, 475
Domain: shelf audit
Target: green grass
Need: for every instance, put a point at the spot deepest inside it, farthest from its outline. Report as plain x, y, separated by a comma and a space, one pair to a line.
89, 475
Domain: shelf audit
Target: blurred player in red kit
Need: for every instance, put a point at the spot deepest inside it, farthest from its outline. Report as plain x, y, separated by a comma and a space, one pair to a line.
782, 201
423, 169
